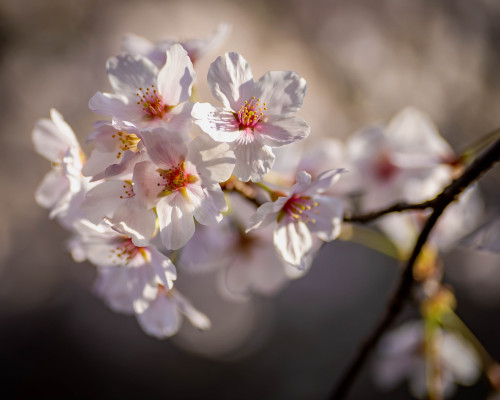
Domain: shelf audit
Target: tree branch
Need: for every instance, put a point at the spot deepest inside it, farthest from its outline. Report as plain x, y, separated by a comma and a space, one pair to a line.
395, 305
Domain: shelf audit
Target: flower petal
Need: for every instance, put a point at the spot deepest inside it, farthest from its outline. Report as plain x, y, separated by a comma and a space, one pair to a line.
231, 80
293, 241
175, 216
277, 131
328, 221
166, 149
253, 160
176, 77
162, 318
282, 91
218, 122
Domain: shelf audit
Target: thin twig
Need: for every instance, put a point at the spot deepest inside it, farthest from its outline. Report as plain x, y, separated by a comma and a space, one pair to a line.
397, 207
395, 305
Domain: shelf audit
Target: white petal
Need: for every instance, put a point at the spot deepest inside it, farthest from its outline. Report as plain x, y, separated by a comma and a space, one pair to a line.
219, 123
415, 139
128, 73
209, 210
323, 182
253, 161
282, 91
115, 106
293, 241
266, 213
214, 161
328, 221
197, 319
166, 149
146, 182
135, 220
142, 285
277, 131
52, 138
111, 286
50, 191
103, 200
164, 269
175, 216
231, 80
176, 77
161, 319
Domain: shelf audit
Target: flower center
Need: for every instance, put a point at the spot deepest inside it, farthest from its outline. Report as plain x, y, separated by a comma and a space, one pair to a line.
125, 251
299, 208
174, 179
128, 191
152, 102
385, 168
250, 113
126, 141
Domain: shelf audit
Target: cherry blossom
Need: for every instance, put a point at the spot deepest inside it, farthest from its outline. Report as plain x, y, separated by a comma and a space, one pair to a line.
182, 181
146, 267
303, 214
401, 355
146, 97
255, 116
196, 48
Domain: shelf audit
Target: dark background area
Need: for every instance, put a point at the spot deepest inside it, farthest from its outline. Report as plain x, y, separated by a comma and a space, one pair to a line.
363, 61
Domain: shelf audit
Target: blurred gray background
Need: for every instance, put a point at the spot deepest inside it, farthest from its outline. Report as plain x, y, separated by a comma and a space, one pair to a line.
363, 61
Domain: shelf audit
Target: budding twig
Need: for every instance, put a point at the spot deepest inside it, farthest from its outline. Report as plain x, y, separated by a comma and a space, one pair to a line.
395, 305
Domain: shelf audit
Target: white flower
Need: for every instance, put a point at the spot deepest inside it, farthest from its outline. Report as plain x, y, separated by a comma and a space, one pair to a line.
305, 213
63, 188
115, 200
196, 48
182, 182
256, 115
145, 267
146, 97
401, 355
116, 151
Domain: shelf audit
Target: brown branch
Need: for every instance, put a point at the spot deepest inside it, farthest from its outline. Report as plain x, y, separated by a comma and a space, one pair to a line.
395, 305
397, 207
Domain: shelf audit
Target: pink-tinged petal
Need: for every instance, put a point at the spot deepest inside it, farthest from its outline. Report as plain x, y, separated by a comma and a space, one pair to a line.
142, 286
277, 130
162, 318
253, 161
52, 188
219, 123
323, 182
124, 168
111, 286
103, 136
166, 149
52, 138
175, 79
136, 221
178, 119
176, 221
415, 140
115, 106
197, 48
328, 220
214, 161
231, 80
208, 212
197, 319
293, 241
165, 271
266, 214
103, 199
138, 45
147, 182
97, 163
129, 73
282, 91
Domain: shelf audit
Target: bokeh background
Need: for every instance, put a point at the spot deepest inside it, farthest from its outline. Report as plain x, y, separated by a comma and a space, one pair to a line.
363, 61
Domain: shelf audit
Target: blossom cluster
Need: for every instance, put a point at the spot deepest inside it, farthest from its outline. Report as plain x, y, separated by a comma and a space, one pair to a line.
175, 186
